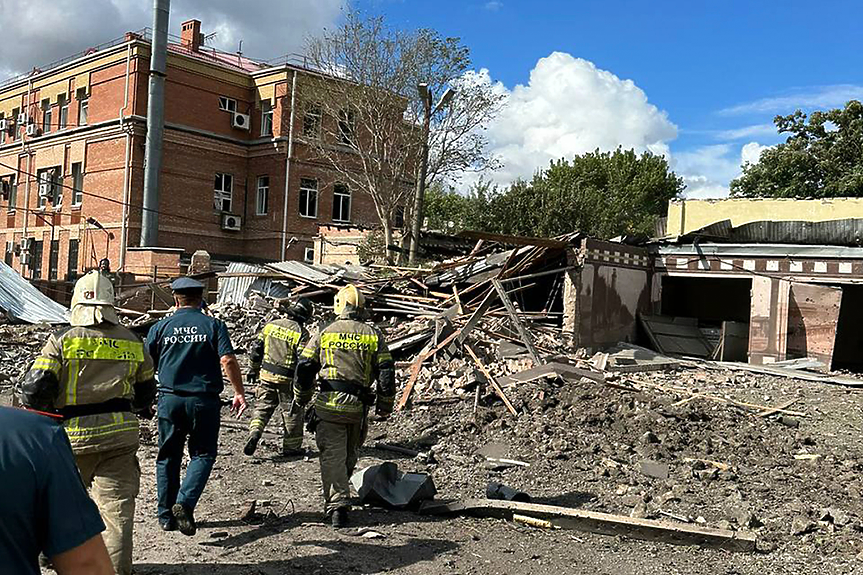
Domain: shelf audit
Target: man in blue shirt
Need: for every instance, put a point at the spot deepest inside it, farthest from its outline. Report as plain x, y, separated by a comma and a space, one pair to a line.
189, 350
45, 508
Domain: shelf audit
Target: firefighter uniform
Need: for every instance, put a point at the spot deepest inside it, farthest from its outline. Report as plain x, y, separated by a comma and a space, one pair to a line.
96, 376
273, 361
347, 357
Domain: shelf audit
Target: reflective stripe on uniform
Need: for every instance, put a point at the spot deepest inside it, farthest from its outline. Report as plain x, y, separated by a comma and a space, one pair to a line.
351, 341
338, 402
47, 364
282, 333
103, 348
74, 431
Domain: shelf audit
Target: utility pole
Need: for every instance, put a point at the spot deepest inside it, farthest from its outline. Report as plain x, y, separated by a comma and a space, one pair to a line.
419, 199
155, 124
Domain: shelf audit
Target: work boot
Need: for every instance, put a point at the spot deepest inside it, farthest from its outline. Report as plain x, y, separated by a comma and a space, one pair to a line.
185, 519
169, 525
293, 453
340, 518
252, 443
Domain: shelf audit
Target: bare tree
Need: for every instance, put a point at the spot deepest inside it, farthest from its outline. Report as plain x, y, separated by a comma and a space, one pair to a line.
370, 111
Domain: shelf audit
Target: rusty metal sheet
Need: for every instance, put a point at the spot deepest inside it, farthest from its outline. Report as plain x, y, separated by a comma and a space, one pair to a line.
813, 315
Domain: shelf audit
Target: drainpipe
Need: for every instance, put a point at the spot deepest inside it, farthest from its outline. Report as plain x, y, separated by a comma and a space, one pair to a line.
126, 192
155, 123
288, 165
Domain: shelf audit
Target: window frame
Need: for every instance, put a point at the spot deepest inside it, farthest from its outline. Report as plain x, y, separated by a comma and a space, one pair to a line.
16, 132
77, 184
46, 116
72, 264
220, 195
306, 258
347, 126
36, 272
225, 104
266, 120
54, 260
83, 107
57, 198
62, 112
313, 118
13, 193
266, 195
305, 188
341, 195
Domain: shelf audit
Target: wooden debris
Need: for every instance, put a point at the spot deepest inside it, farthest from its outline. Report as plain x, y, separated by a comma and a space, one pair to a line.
491, 380
516, 321
603, 523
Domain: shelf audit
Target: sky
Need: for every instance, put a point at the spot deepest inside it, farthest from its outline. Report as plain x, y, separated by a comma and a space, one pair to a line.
696, 80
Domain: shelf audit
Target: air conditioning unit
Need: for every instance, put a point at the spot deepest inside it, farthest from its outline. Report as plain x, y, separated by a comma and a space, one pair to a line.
26, 244
22, 119
45, 188
32, 130
231, 222
25, 258
241, 121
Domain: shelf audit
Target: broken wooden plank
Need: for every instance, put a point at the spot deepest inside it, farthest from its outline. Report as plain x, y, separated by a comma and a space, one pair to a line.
602, 523
778, 408
562, 370
477, 315
513, 316
497, 388
417, 365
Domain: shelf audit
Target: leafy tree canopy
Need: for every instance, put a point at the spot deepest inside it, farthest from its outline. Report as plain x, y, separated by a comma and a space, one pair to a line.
822, 158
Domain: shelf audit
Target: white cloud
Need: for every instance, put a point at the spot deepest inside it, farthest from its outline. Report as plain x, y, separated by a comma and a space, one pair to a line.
746, 132
493, 6
817, 97
268, 29
570, 107
708, 170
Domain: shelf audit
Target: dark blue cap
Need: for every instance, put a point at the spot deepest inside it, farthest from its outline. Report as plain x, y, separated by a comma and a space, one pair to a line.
185, 283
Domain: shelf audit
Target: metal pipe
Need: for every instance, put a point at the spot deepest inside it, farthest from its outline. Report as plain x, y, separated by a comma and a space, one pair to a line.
155, 123
288, 166
126, 195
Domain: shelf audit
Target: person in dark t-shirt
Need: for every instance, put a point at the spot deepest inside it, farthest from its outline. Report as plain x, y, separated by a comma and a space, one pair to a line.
45, 508
189, 350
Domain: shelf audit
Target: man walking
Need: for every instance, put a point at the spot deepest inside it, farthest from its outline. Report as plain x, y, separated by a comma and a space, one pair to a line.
95, 376
348, 355
273, 360
190, 350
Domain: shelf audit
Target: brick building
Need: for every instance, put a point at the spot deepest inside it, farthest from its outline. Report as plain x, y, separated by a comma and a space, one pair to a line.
72, 155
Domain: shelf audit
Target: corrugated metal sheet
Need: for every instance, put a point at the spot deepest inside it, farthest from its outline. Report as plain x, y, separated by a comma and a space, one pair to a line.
20, 300
319, 273
234, 290
843, 232
759, 250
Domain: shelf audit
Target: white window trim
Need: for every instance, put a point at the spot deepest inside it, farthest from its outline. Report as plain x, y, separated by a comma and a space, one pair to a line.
223, 194
264, 114
225, 104
317, 198
62, 123
259, 187
306, 257
350, 201
84, 104
75, 190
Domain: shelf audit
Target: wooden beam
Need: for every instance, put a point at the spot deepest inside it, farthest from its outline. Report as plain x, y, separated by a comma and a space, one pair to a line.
477, 315
417, 365
513, 315
603, 523
497, 388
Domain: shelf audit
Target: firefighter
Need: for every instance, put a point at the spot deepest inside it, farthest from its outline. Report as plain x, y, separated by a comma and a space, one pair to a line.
96, 376
347, 357
273, 360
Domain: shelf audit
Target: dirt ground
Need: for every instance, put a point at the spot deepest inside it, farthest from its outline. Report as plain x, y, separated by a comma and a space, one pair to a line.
584, 443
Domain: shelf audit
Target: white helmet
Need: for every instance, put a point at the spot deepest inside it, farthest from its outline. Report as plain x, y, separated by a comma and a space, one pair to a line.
93, 300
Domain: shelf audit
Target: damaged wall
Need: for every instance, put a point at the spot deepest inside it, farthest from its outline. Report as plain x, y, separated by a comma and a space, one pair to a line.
603, 295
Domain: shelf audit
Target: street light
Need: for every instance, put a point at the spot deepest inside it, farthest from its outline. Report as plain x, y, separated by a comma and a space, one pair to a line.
419, 199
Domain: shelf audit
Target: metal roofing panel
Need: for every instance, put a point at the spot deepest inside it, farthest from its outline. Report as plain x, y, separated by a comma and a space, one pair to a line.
760, 250
21, 300
234, 290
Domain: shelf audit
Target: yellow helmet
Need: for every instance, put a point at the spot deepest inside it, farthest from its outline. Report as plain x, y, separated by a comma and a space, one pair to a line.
348, 296
93, 301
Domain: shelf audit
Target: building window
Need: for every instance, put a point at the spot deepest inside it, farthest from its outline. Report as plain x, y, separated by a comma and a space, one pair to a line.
53, 260
266, 119
341, 203
46, 116
222, 196
50, 187
309, 255
227, 104
10, 253
12, 198
262, 204
399, 218
72, 263
308, 198
77, 184
64, 112
36, 260
83, 107
16, 131
312, 121
346, 127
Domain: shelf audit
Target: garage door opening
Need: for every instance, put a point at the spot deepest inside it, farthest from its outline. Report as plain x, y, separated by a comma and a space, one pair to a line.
849, 336
721, 306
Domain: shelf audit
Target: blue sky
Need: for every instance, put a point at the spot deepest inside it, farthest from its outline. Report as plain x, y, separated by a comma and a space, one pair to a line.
720, 70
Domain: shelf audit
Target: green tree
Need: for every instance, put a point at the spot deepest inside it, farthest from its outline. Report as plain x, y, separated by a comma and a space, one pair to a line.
822, 158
